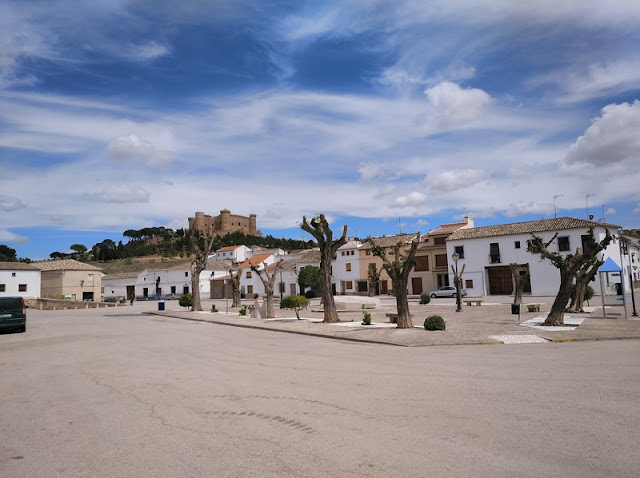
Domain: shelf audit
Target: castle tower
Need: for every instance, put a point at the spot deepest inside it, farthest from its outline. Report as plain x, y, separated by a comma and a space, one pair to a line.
252, 224
225, 221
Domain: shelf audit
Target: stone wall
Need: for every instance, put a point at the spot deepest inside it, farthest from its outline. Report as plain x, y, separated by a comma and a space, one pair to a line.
56, 304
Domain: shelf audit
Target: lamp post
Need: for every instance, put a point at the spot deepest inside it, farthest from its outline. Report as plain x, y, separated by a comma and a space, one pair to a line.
281, 284
456, 257
226, 291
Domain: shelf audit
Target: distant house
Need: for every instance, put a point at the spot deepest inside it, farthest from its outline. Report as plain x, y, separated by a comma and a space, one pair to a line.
121, 285
369, 261
232, 253
69, 278
432, 262
486, 252
345, 269
19, 279
250, 283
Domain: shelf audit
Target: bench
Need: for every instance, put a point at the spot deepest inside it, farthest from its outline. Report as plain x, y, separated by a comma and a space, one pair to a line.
533, 307
393, 317
470, 302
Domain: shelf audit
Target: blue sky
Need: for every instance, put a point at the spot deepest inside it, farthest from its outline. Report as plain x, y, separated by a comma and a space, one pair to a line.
385, 116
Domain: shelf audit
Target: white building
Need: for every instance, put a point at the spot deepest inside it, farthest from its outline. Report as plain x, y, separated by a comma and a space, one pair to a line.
345, 269
486, 252
19, 279
232, 253
250, 282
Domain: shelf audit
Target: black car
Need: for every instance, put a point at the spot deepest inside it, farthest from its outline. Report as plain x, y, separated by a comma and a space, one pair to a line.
13, 314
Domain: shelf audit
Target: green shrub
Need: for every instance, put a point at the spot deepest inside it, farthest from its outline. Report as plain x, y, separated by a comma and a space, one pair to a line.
366, 319
295, 302
243, 311
310, 294
424, 298
186, 300
588, 293
435, 322
213, 308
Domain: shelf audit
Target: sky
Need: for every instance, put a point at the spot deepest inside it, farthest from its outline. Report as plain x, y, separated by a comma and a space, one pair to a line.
385, 116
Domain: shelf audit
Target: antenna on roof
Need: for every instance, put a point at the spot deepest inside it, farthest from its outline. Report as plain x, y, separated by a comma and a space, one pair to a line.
586, 201
399, 225
556, 196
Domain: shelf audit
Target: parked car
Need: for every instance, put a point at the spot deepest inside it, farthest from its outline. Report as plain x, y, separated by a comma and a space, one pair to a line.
171, 296
447, 291
13, 314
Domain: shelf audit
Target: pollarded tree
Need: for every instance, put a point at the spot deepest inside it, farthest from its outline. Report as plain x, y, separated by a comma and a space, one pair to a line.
202, 245
236, 297
583, 277
319, 228
268, 281
520, 276
373, 279
399, 269
569, 266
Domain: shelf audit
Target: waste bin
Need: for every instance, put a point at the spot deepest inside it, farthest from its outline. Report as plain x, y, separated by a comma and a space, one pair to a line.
515, 309
161, 305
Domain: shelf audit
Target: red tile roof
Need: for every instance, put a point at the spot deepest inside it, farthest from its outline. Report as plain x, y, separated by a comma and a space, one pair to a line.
542, 225
254, 261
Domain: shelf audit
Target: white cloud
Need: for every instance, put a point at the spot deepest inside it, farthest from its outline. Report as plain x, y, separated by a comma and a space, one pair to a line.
132, 147
121, 194
451, 180
612, 138
453, 106
148, 51
412, 199
530, 207
9, 203
583, 82
8, 236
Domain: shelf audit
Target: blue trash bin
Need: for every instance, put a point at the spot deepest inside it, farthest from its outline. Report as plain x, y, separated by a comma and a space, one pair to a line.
161, 305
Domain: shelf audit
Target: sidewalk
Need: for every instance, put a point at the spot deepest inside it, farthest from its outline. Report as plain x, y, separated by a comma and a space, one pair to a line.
490, 323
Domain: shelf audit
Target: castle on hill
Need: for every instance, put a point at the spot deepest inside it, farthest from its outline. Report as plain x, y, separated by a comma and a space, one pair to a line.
224, 224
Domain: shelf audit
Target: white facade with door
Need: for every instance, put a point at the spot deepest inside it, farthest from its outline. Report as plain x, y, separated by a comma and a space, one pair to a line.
346, 269
486, 254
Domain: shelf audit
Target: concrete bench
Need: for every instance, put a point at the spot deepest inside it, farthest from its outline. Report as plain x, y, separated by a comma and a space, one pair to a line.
470, 302
393, 317
533, 307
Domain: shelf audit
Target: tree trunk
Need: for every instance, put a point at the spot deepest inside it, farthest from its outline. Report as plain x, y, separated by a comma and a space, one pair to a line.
320, 230
402, 303
196, 269
519, 281
236, 299
330, 311
268, 282
556, 314
582, 280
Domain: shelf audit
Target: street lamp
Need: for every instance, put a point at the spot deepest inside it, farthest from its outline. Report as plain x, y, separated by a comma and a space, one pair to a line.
456, 257
281, 284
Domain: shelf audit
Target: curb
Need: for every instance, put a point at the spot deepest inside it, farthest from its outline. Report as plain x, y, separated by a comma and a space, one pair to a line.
378, 342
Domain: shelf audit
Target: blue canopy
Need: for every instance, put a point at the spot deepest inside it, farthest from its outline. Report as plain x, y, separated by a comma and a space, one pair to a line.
610, 266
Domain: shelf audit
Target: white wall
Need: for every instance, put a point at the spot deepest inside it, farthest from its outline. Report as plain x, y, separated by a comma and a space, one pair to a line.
347, 254
13, 278
545, 278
